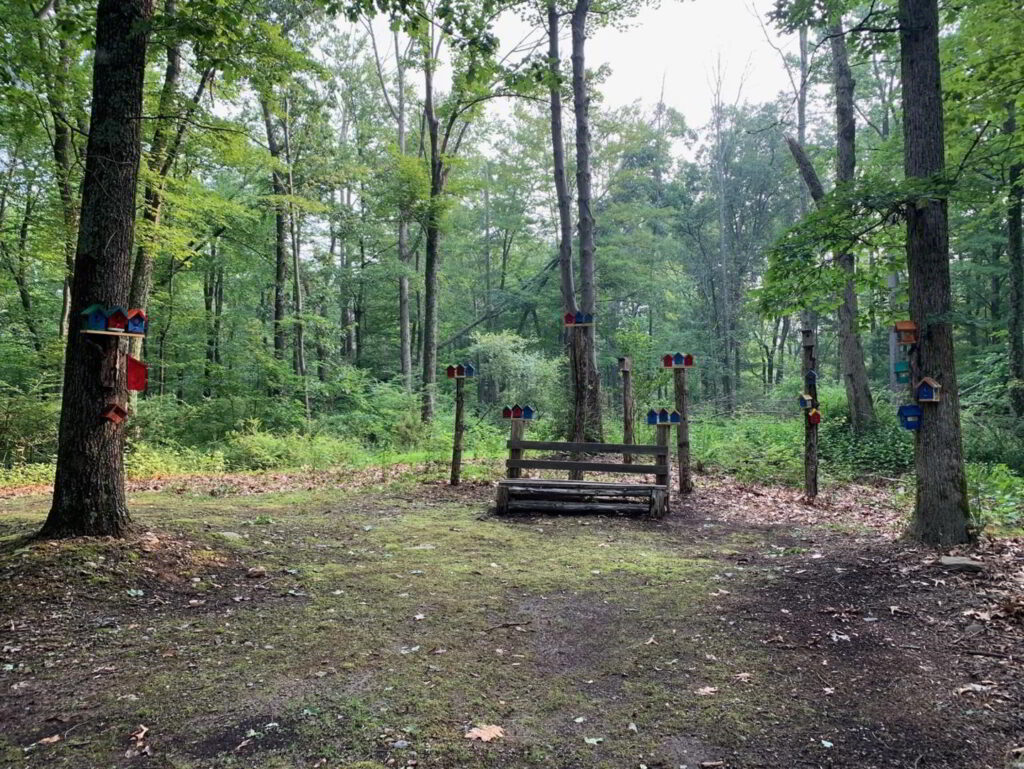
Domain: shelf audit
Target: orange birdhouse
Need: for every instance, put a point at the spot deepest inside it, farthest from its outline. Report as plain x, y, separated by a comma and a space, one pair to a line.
114, 413
906, 330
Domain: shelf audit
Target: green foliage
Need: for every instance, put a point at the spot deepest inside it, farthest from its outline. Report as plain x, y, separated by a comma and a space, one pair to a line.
255, 449
996, 494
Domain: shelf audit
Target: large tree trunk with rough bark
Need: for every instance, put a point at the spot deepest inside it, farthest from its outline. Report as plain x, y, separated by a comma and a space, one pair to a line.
433, 238
88, 494
587, 336
851, 353
1015, 249
280, 235
941, 514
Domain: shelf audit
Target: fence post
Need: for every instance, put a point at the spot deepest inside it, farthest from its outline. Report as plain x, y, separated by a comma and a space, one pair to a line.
626, 367
662, 457
683, 433
459, 430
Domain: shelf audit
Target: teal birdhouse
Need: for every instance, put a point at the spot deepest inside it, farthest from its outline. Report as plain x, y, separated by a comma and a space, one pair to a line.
95, 318
901, 369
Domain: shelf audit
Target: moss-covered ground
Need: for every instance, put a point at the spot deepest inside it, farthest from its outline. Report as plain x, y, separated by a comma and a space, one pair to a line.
375, 624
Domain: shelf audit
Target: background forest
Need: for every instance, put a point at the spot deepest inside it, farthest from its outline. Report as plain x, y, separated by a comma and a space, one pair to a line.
331, 212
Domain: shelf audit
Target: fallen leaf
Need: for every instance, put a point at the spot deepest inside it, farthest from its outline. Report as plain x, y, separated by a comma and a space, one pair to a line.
580, 719
593, 740
485, 733
743, 678
50, 740
650, 641
706, 691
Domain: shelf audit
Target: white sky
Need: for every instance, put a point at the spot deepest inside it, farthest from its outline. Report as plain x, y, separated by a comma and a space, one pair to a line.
682, 41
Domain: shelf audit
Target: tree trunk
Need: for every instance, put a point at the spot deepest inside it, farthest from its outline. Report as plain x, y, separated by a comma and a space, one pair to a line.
280, 236
941, 513
1015, 249
88, 493
297, 295
433, 238
854, 372
588, 335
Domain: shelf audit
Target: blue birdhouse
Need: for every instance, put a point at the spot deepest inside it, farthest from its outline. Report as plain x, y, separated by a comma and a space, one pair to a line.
910, 416
928, 390
137, 321
901, 369
470, 370
675, 418
663, 417
579, 317
95, 318
588, 318
528, 412
652, 417
678, 359
811, 377
806, 401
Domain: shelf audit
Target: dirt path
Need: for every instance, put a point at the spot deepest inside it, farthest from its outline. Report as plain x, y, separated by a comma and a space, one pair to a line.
376, 625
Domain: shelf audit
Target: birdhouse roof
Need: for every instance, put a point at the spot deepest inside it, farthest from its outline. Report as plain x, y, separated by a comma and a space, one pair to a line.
115, 310
905, 325
94, 308
136, 313
930, 382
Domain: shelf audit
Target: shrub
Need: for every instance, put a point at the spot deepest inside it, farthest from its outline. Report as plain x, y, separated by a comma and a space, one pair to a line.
256, 449
996, 494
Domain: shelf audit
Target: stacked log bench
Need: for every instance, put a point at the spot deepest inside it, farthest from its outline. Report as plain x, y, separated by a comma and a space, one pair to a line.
518, 494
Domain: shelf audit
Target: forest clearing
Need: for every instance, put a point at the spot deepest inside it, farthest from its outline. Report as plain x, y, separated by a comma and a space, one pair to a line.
376, 626
511, 383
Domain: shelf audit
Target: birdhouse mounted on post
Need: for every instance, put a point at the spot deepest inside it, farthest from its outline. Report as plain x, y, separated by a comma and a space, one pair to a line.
814, 417
901, 369
460, 370
95, 318
910, 416
675, 418
811, 379
518, 412
652, 417
806, 401
528, 412
906, 331
927, 390
625, 364
663, 417
506, 413
677, 360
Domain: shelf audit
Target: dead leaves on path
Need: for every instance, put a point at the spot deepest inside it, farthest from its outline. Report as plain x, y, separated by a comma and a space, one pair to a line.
485, 733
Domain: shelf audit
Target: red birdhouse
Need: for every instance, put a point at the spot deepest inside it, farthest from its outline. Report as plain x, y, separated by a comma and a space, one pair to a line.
117, 320
517, 412
506, 413
114, 413
687, 360
136, 374
460, 370
666, 361
814, 416
451, 372
570, 319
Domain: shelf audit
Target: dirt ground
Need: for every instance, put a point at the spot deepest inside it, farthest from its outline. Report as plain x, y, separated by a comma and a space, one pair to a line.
375, 620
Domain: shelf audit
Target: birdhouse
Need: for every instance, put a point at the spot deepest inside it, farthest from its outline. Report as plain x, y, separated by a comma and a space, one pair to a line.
517, 412
137, 321
811, 378
814, 417
906, 330
910, 416
451, 372
460, 371
528, 412
687, 360
663, 417
114, 413
625, 364
579, 318
678, 360
117, 319
928, 390
901, 369
666, 361
506, 413
470, 370
806, 401
136, 374
652, 417
588, 319
95, 318
570, 319
675, 418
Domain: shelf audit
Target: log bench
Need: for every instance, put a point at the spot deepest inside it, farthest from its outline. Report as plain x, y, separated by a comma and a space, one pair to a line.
518, 494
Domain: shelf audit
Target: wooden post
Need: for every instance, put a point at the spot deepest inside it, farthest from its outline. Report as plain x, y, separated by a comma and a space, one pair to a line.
662, 432
460, 428
810, 363
626, 367
516, 434
683, 433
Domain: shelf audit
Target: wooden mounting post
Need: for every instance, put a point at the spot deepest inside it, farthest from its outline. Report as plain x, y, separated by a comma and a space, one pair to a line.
810, 368
626, 368
683, 433
460, 428
662, 432
516, 434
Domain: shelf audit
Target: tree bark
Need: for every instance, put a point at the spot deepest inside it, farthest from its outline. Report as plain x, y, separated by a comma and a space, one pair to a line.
433, 239
588, 335
280, 235
941, 513
88, 494
1015, 250
855, 373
